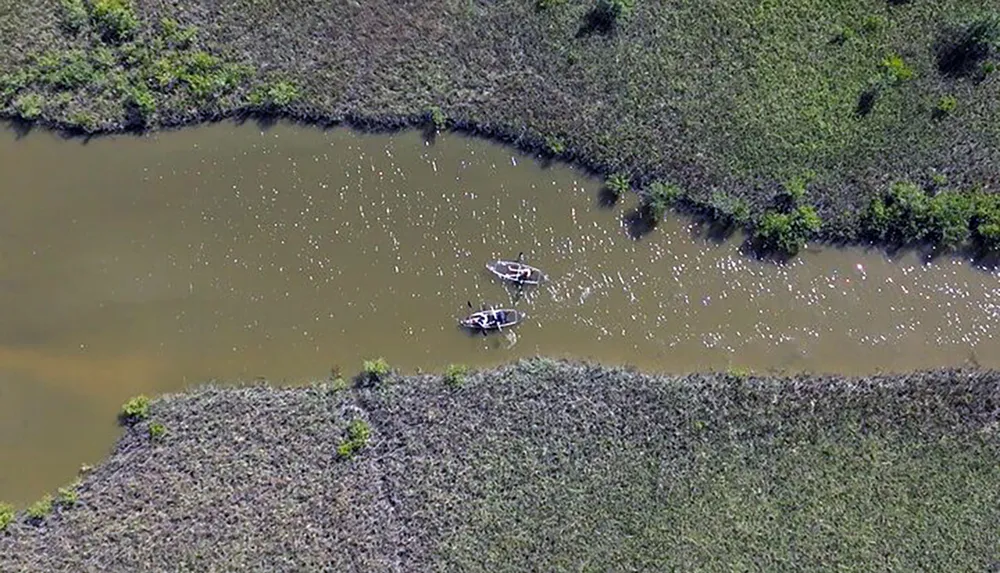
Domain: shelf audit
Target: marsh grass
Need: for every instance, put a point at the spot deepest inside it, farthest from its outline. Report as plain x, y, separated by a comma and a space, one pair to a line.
725, 98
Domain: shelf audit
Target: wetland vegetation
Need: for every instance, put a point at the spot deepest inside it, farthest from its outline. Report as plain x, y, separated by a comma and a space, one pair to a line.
546, 465
732, 103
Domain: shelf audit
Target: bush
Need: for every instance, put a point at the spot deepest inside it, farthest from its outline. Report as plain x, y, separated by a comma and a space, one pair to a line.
454, 375
787, 233
175, 35
948, 218
437, 118
546, 4
115, 19
554, 146
141, 99
358, 433
66, 71
618, 184
376, 369
945, 106
29, 106
275, 95
728, 210
135, 409
73, 14
156, 431
68, 497
659, 197
6, 515
40, 509
895, 70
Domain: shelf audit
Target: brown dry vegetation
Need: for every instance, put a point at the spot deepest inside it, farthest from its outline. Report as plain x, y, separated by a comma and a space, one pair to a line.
547, 466
732, 101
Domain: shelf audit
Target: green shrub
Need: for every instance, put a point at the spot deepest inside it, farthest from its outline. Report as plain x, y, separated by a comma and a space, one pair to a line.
554, 146
175, 35
618, 184
728, 210
66, 71
614, 9
738, 373
14, 82
873, 23
358, 433
945, 106
454, 375
156, 431
142, 100
895, 70
376, 369
115, 19
988, 68
40, 509
275, 95
948, 218
29, 106
787, 233
659, 197
135, 409
437, 118
68, 497
6, 515
985, 221
795, 188
73, 14
84, 120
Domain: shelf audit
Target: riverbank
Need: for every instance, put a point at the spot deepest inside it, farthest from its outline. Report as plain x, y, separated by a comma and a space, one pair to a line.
556, 465
740, 106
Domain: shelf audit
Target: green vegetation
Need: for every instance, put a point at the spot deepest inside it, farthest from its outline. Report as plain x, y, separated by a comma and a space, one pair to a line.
274, 96
839, 89
157, 431
376, 369
554, 466
906, 214
455, 374
945, 106
74, 15
114, 19
658, 197
68, 496
40, 509
617, 185
787, 233
6, 515
134, 410
358, 433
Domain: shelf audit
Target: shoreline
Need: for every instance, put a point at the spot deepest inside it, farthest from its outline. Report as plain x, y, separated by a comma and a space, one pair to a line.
390, 472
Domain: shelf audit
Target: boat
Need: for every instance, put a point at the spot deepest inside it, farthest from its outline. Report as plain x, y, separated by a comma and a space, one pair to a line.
492, 319
516, 271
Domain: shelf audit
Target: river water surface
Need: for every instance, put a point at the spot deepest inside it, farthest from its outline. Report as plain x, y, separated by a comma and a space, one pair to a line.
147, 265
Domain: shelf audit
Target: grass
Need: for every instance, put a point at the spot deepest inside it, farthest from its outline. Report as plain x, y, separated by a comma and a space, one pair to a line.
726, 98
157, 431
68, 496
6, 515
552, 466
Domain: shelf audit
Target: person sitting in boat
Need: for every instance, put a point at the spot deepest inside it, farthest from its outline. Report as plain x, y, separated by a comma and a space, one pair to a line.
522, 273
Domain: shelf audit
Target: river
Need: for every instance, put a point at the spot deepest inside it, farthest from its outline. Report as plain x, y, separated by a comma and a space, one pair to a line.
232, 252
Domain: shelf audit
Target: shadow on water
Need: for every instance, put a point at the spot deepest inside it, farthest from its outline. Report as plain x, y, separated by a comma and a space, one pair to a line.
606, 198
638, 222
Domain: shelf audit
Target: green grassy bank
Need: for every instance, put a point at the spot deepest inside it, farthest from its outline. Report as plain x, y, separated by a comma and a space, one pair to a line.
543, 466
788, 117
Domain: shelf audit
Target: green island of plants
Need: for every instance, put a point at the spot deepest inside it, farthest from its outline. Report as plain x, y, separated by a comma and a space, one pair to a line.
726, 99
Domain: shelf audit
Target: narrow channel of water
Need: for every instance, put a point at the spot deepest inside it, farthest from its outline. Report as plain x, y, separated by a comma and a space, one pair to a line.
132, 265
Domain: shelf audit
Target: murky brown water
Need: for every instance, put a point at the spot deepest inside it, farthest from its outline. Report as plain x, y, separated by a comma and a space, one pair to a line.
145, 265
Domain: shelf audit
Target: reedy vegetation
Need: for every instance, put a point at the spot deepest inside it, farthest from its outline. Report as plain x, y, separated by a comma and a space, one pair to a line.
726, 99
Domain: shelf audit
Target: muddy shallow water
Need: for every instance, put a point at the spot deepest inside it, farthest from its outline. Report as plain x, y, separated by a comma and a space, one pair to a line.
132, 265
